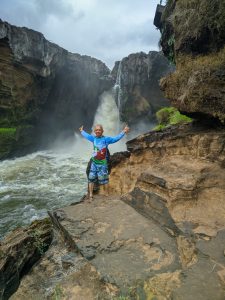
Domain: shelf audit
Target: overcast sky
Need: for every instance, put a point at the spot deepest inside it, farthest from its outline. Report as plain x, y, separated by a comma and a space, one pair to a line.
106, 29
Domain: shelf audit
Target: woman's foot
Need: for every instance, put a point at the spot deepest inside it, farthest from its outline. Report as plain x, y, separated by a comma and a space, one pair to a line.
90, 199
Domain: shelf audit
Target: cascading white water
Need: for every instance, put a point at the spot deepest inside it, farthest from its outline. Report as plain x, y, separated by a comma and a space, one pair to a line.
108, 115
45, 180
117, 86
35, 183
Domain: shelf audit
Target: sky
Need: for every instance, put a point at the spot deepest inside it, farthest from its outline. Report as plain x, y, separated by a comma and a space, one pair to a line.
105, 29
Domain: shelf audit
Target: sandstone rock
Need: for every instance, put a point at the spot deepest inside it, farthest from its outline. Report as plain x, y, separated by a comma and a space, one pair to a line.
161, 286
19, 251
188, 251
132, 256
120, 243
177, 177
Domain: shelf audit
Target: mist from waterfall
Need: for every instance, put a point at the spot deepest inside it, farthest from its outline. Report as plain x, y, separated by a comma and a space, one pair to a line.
50, 179
108, 116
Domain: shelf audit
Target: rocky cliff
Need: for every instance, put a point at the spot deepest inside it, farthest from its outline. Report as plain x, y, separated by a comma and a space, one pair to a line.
160, 234
193, 36
44, 90
179, 171
137, 80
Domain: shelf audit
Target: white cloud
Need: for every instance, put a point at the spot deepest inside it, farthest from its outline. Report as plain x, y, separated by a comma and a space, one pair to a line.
105, 29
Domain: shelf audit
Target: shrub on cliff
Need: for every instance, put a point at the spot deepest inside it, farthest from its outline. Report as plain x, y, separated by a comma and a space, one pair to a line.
168, 116
192, 26
197, 85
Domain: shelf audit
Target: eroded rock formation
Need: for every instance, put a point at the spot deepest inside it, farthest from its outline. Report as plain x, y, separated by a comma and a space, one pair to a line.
137, 77
176, 173
193, 36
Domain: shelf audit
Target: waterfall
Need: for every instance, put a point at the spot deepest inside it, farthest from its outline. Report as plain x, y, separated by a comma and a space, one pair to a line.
107, 114
117, 86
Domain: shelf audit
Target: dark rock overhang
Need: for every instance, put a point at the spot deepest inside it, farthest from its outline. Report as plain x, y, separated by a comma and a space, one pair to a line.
158, 14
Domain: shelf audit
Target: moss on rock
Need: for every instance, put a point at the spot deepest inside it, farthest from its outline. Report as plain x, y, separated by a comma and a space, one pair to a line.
168, 116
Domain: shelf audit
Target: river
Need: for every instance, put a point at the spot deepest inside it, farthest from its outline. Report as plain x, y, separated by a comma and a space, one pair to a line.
45, 180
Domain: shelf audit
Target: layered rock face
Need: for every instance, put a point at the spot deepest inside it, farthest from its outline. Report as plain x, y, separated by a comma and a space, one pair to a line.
176, 179
193, 36
181, 170
44, 88
137, 79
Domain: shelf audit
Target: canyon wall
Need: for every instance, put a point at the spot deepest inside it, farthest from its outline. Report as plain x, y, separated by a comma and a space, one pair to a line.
45, 91
137, 77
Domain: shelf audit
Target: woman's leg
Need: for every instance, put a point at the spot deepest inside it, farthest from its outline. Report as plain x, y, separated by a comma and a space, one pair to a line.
103, 178
90, 188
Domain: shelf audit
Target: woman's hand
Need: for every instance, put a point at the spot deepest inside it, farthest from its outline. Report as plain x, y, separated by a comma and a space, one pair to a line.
126, 129
81, 128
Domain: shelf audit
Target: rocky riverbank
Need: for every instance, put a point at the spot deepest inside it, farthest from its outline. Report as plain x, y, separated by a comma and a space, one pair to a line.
159, 235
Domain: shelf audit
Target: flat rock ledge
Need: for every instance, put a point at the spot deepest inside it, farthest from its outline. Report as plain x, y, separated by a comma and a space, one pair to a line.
108, 250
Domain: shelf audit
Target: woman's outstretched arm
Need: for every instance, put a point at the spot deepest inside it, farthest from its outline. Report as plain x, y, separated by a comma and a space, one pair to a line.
111, 140
86, 135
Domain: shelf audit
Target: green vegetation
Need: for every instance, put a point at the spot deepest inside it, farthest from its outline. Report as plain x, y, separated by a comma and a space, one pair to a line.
168, 116
58, 293
8, 131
